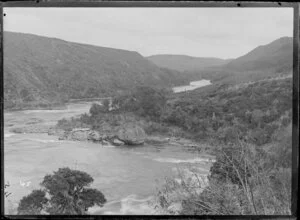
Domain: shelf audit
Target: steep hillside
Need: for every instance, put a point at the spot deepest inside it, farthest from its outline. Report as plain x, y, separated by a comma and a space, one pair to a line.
277, 56
273, 59
265, 61
42, 70
185, 63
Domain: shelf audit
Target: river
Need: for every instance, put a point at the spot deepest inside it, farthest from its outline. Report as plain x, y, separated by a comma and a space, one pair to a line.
127, 176
193, 85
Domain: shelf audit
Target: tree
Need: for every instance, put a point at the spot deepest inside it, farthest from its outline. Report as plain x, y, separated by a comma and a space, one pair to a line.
33, 204
68, 194
106, 105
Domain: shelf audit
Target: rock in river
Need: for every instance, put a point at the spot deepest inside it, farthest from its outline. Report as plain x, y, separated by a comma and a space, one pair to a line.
132, 134
117, 142
94, 136
77, 134
56, 131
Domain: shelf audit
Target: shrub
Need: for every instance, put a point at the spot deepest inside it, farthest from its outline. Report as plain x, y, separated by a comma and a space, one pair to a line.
68, 125
97, 109
259, 136
153, 127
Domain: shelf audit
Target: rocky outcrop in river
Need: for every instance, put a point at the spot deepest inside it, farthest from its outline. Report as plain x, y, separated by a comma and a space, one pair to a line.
126, 135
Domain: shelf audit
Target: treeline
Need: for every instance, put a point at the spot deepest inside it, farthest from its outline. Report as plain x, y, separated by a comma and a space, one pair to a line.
224, 114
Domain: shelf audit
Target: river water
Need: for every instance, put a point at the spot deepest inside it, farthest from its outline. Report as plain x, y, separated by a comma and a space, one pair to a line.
127, 176
193, 85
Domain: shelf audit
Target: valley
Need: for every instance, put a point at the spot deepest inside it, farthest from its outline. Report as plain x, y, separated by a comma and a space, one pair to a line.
163, 134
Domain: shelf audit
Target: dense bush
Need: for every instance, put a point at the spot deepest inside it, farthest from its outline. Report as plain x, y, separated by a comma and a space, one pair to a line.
68, 125
248, 113
97, 109
145, 101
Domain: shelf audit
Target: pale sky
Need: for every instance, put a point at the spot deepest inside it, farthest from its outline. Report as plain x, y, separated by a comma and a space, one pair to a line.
201, 32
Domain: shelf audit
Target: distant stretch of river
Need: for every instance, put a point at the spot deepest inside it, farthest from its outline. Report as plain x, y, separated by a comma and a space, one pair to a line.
193, 85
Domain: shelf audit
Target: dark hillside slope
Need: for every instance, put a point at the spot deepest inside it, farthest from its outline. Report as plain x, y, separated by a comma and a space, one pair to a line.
42, 70
277, 56
271, 60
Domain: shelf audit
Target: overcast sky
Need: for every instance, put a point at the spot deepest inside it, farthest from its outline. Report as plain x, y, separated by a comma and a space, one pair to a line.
201, 32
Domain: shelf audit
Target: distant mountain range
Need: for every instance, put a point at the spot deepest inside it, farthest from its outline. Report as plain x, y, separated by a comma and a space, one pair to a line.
38, 69
275, 58
44, 70
186, 63
275, 55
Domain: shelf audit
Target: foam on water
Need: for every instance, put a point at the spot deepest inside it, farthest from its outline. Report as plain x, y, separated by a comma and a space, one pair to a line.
199, 169
135, 206
7, 135
43, 140
130, 205
44, 111
174, 160
108, 146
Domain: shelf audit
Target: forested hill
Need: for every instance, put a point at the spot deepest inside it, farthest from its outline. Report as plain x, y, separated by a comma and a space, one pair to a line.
41, 70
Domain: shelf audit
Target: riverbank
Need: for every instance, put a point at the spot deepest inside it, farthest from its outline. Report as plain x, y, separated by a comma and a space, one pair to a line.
38, 126
48, 107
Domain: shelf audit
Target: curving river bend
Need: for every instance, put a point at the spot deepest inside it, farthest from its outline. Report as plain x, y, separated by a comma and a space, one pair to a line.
128, 176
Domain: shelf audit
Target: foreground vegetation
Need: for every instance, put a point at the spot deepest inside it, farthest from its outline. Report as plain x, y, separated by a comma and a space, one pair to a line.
245, 180
65, 192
